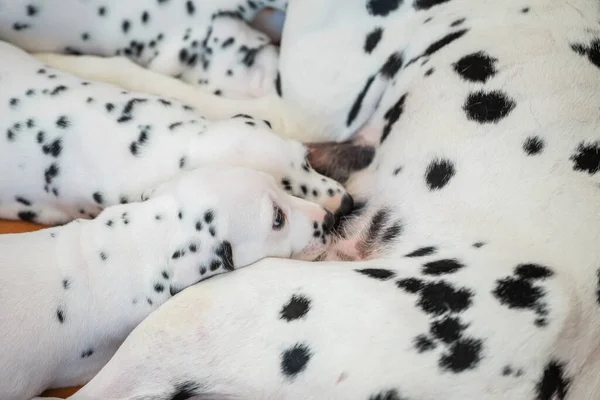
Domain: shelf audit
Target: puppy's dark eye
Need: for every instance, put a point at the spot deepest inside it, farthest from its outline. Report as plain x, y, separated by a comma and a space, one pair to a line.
278, 218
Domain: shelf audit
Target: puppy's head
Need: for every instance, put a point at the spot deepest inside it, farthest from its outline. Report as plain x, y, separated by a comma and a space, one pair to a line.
230, 217
253, 144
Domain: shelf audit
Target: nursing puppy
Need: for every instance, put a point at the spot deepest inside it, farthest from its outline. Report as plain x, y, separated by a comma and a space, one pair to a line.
72, 147
71, 294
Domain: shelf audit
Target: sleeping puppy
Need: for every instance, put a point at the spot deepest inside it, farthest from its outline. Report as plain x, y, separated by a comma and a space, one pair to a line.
74, 147
71, 294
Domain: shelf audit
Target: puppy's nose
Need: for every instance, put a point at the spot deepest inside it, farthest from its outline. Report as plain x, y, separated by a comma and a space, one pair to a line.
328, 222
346, 207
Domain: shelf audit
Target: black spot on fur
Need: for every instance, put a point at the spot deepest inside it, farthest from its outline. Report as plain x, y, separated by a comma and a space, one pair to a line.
31, 10
125, 26
457, 22
533, 145
424, 343
209, 216
355, 109
462, 355
295, 359
159, 288
225, 253
278, 85
98, 198
382, 8
441, 267
391, 233
587, 158
392, 65
103, 256
423, 251
387, 395
443, 42
87, 353
373, 39
488, 107
448, 329
592, 51
28, 216
63, 122
391, 116
215, 265
184, 391
438, 173
296, 308
60, 315
438, 298
554, 384
427, 4
377, 273
22, 200
190, 8
66, 283
476, 67
411, 285
54, 149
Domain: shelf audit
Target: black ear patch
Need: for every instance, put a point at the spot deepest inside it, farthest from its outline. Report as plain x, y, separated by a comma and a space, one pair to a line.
225, 253
339, 160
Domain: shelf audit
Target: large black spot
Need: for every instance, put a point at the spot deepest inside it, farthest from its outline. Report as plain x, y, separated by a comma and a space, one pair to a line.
427, 4
373, 39
554, 384
533, 145
438, 173
294, 359
392, 115
295, 309
423, 251
377, 273
592, 51
411, 285
488, 107
587, 158
391, 233
441, 267
476, 67
517, 293
184, 391
448, 329
440, 297
382, 8
462, 355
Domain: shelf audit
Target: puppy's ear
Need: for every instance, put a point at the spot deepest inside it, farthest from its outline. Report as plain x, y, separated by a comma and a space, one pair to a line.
339, 160
197, 258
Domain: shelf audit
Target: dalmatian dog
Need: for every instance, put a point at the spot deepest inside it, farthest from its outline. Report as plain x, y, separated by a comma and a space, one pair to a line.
72, 147
96, 280
475, 271
207, 43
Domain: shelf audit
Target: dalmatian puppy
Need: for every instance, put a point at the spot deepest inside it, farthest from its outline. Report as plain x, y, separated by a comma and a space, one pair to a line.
477, 234
72, 147
207, 43
73, 293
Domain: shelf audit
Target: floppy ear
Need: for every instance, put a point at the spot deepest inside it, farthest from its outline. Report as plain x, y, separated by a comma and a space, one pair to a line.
197, 258
339, 160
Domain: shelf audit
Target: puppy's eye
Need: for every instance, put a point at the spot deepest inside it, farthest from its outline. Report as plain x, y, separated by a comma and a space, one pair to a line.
278, 218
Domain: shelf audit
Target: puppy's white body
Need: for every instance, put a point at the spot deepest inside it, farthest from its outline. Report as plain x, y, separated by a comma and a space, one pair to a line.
71, 147
71, 294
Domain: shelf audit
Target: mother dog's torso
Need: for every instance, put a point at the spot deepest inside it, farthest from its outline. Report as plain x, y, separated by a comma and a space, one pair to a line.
487, 115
